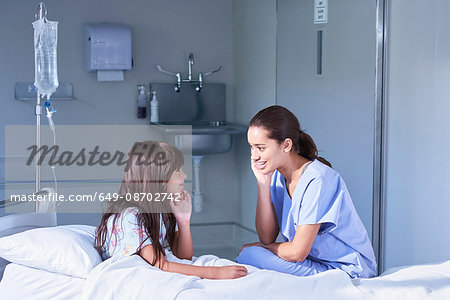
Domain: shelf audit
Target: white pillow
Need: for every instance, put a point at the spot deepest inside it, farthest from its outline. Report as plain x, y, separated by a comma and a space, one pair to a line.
65, 249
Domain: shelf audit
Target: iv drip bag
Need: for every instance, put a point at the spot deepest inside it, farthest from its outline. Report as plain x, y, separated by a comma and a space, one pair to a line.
45, 66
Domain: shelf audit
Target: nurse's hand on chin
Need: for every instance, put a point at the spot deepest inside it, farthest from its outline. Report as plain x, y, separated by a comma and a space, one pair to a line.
262, 176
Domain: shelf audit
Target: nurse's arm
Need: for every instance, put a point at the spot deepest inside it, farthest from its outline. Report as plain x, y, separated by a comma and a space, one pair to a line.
298, 249
266, 220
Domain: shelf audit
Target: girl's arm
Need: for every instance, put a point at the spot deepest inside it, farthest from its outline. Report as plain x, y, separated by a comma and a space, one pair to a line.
298, 249
226, 272
182, 244
266, 220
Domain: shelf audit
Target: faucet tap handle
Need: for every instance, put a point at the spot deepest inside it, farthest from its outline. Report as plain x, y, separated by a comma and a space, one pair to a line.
164, 71
215, 71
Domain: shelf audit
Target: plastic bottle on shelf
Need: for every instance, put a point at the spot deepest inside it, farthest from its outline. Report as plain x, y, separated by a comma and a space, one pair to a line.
142, 102
154, 115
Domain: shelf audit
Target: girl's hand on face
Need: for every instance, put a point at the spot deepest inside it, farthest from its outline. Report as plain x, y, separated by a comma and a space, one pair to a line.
182, 209
262, 178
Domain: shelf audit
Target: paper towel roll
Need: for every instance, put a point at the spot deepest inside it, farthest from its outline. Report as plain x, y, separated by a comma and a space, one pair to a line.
110, 75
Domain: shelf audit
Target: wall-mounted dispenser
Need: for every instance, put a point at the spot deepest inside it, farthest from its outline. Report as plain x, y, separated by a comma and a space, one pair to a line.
107, 50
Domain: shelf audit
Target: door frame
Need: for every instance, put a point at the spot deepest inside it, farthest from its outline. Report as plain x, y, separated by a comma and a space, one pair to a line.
379, 159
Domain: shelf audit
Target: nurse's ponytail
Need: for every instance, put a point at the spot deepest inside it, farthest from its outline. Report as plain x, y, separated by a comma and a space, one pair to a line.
282, 124
306, 147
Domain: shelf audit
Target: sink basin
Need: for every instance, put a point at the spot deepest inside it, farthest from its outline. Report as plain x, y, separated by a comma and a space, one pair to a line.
202, 137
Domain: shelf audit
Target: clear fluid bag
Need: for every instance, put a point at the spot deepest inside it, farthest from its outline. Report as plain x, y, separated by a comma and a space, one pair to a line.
45, 65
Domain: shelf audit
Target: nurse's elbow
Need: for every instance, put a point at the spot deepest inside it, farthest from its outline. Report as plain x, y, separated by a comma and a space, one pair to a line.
298, 256
301, 258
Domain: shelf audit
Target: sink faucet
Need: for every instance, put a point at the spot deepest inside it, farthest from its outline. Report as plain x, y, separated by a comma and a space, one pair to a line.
180, 80
191, 62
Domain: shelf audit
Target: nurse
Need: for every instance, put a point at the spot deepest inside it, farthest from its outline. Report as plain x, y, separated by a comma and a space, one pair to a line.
300, 195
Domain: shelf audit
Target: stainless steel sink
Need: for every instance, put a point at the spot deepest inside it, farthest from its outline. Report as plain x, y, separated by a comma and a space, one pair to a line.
202, 137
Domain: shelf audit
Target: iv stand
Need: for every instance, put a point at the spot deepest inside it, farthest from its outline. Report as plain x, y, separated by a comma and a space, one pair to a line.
38, 110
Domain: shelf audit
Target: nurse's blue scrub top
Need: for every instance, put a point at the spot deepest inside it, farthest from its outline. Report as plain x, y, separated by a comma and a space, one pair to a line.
322, 197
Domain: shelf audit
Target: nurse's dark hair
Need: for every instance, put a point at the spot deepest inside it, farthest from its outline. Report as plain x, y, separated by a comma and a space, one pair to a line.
282, 124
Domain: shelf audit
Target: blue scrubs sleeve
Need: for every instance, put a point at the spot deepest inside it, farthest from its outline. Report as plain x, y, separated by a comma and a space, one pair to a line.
321, 203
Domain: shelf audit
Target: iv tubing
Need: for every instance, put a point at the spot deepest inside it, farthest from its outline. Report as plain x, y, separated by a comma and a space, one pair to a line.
38, 145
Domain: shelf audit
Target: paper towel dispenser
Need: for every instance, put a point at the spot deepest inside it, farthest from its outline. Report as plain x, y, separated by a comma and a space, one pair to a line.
107, 47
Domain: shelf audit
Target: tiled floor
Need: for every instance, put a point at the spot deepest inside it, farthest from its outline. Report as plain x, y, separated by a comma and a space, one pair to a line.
224, 252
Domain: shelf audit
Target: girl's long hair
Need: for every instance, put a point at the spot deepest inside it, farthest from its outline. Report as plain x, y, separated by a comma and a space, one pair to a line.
282, 124
149, 167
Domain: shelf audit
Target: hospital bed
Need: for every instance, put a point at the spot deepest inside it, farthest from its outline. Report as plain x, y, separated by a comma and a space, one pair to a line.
59, 262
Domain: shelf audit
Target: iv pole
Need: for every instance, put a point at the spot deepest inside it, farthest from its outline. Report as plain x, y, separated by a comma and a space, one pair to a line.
38, 110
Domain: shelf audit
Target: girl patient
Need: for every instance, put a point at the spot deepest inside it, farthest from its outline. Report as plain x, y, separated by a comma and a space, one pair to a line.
152, 213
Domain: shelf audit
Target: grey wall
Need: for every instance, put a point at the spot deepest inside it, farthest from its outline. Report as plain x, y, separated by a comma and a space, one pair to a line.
336, 109
418, 139
254, 70
163, 32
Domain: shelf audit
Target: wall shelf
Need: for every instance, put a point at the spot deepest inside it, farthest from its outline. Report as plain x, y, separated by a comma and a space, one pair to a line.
27, 91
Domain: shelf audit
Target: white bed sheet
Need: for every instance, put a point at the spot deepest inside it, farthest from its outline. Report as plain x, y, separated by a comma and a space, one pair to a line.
421, 282
21, 282
133, 278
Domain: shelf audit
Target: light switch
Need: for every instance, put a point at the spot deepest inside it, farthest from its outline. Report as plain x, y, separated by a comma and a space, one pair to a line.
320, 11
